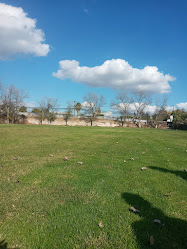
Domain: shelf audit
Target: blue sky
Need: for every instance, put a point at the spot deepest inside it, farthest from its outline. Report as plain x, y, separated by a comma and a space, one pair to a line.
139, 32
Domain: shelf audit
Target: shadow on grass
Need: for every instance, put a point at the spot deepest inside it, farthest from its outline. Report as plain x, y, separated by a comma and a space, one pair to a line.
172, 235
180, 173
4, 245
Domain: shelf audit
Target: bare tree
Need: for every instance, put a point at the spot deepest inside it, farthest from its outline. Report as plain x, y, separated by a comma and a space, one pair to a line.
52, 104
42, 114
68, 112
121, 104
93, 106
140, 100
11, 99
47, 109
160, 111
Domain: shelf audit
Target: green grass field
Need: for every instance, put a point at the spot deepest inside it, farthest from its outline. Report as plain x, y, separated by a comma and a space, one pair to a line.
49, 203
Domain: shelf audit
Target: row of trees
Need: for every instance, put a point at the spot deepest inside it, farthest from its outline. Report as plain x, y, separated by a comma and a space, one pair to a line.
12, 104
46, 110
140, 101
123, 101
92, 108
12, 99
47, 107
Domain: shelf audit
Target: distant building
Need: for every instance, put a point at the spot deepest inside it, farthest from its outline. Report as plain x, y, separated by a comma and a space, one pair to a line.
170, 120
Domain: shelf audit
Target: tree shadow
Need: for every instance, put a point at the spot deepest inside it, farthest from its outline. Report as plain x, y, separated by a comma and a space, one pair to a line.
169, 236
180, 173
4, 245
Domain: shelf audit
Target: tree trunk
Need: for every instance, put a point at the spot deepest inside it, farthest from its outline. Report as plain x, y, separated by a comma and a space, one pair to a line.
7, 113
139, 124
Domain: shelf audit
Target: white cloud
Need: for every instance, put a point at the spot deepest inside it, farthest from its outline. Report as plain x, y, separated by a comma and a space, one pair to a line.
182, 106
107, 114
85, 105
150, 109
116, 74
170, 108
19, 34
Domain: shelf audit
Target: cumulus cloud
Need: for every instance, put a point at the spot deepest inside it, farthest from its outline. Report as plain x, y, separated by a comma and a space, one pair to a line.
116, 73
85, 105
131, 108
182, 106
108, 114
152, 108
19, 34
170, 108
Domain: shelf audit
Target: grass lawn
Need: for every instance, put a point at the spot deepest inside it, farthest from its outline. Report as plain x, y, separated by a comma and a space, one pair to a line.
47, 203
